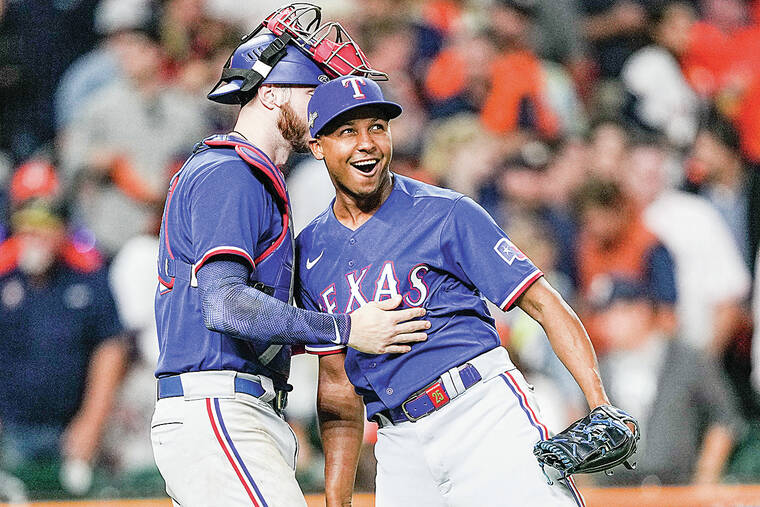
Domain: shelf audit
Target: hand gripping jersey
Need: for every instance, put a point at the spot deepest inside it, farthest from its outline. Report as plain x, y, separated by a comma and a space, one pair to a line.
228, 199
436, 248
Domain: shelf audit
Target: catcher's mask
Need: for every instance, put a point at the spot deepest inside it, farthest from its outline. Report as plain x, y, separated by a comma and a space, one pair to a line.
298, 51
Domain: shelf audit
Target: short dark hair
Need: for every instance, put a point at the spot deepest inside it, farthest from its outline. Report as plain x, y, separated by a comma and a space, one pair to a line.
599, 193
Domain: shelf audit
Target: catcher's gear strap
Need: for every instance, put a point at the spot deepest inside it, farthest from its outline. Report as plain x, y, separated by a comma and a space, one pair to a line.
276, 186
258, 160
272, 54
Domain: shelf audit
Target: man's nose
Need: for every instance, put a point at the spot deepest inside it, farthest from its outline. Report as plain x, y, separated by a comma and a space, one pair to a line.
365, 141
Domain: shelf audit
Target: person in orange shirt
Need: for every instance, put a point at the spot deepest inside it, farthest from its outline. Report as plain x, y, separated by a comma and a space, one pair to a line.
505, 84
614, 242
517, 98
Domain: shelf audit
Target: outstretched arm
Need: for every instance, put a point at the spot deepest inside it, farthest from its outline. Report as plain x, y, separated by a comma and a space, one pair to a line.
567, 336
342, 427
233, 307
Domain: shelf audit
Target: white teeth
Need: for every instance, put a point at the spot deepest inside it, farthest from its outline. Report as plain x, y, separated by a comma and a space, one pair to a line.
366, 162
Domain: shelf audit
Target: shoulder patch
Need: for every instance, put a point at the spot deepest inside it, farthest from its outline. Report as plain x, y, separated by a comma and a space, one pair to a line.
508, 251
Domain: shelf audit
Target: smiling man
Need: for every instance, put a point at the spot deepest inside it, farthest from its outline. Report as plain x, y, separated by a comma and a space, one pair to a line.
458, 422
226, 328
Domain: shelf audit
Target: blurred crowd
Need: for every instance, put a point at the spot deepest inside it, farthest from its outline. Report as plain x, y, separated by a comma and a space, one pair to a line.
616, 141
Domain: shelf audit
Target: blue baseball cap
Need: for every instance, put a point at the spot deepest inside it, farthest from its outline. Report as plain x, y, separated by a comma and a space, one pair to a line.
343, 94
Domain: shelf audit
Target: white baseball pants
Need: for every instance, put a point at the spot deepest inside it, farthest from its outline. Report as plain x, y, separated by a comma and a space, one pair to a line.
216, 447
476, 450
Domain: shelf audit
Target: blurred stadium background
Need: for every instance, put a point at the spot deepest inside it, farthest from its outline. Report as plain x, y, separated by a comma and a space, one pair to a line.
616, 141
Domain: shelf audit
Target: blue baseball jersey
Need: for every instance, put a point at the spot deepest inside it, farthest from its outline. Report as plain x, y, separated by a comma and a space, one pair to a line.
218, 204
436, 248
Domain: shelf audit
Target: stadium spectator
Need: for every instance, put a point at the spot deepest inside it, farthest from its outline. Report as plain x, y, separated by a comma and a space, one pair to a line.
558, 32
713, 282
132, 281
61, 338
119, 152
457, 79
659, 99
517, 98
607, 147
614, 30
520, 190
688, 414
114, 20
614, 242
723, 178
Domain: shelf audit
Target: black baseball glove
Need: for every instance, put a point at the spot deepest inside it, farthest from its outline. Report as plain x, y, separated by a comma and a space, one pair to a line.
597, 442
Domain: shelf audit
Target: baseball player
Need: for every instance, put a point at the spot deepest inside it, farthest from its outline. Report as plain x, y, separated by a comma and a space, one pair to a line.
458, 422
226, 330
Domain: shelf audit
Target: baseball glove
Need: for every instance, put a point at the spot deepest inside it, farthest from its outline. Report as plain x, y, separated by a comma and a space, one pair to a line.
597, 442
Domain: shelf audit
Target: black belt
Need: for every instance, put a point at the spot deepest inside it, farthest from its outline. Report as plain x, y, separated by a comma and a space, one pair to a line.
171, 387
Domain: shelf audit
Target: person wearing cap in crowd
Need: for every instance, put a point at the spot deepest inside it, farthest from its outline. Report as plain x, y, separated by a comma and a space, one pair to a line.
458, 421
61, 374
673, 387
226, 328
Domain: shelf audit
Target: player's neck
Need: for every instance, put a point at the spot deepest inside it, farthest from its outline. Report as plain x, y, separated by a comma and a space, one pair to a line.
354, 210
259, 127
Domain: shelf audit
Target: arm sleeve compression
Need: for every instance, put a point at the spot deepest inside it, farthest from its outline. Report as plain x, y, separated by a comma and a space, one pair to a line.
232, 307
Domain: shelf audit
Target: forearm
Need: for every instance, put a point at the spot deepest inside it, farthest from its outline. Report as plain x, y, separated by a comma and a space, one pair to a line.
107, 368
568, 338
233, 307
715, 451
106, 371
342, 428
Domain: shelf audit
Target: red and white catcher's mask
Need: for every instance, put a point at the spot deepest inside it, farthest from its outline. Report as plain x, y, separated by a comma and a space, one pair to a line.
329, 44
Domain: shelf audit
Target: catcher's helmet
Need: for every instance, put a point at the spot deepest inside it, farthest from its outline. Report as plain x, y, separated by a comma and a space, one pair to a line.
300, 50
255, 62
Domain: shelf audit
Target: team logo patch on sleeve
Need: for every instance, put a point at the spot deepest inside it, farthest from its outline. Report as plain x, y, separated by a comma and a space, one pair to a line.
508, 251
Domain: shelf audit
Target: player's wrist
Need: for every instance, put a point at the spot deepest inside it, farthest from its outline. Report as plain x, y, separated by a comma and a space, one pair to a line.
345, 328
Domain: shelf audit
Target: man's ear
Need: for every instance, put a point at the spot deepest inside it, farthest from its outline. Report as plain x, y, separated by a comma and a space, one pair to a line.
316, 149
273, 96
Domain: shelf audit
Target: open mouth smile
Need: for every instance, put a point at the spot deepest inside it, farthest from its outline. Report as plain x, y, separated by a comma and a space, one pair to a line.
366, 166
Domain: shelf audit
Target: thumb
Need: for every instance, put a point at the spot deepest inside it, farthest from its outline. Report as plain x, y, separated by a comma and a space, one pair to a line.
389, 304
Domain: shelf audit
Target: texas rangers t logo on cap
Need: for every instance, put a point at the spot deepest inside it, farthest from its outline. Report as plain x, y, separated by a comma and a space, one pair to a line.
355, 82
341, 95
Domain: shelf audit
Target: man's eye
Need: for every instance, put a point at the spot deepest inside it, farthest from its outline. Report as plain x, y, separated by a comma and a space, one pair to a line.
378, 126
346, 131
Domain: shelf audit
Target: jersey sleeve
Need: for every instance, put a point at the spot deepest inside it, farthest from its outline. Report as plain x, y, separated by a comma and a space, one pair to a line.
479, 252
226, 211
306, 302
